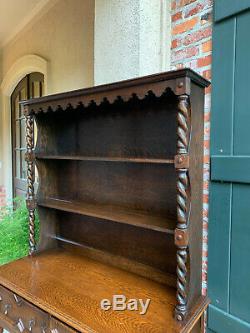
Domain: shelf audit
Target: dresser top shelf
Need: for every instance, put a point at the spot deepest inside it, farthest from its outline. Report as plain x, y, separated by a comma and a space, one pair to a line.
81, 287
142, 160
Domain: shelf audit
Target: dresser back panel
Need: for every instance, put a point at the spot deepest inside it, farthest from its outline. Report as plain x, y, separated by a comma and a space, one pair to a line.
132, 129
146, 187
148, 247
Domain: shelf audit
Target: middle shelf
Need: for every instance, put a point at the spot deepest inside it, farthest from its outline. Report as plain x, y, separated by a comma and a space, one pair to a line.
138, 218
143, 160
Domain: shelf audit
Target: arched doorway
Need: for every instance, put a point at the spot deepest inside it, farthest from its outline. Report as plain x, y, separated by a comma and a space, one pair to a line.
31, 86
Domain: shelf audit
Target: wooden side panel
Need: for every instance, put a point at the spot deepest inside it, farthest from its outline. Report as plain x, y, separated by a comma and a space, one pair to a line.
196, 192
48, 229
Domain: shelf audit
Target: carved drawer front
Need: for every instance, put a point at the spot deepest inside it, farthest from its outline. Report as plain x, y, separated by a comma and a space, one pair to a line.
21, 315
58, 327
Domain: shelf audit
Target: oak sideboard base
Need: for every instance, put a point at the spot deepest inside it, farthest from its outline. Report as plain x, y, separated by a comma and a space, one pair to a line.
69, 287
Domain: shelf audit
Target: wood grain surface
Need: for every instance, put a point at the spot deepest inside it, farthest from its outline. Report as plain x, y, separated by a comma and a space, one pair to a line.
70, 287
110, 202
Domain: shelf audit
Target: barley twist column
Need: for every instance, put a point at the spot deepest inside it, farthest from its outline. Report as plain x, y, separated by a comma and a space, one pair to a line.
30, 180
183, 133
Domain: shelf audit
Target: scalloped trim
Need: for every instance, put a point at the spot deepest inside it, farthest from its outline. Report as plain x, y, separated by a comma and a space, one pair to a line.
97, 99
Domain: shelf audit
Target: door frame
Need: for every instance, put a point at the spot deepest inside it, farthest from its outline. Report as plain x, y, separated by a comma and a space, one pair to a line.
22, 67
27, 84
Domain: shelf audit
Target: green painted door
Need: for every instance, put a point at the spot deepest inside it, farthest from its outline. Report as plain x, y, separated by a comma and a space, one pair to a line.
229, 223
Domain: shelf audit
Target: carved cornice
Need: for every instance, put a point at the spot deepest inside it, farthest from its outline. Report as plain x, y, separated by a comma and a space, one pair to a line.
90, 100
154, 85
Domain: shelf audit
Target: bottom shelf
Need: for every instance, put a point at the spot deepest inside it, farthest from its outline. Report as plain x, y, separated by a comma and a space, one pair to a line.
70, 287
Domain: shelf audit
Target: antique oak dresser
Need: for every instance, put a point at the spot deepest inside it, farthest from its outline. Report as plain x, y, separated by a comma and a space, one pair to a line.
120, 207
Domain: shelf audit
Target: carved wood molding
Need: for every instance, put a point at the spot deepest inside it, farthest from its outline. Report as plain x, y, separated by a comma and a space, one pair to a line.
178, 82
97, 99
30, 181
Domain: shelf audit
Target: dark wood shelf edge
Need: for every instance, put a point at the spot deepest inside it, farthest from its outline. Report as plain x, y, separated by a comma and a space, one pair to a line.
129, 217
105, 159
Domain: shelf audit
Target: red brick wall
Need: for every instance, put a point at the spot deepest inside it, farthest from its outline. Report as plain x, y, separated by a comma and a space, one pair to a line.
192, 47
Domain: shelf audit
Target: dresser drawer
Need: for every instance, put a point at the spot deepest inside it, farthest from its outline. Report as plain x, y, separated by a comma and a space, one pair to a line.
58, 327
21, 316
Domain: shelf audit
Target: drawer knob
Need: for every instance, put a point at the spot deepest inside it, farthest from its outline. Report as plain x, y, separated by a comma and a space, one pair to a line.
17, 299
7, 307
20, 325
32, 323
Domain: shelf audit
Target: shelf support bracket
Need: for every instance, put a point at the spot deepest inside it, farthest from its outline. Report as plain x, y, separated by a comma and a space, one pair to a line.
183, 190
30, 201
181, 237
181, 161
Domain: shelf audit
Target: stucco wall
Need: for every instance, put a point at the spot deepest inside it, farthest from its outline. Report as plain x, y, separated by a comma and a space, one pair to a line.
90, 42
64, 37
132, 38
